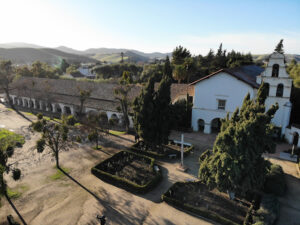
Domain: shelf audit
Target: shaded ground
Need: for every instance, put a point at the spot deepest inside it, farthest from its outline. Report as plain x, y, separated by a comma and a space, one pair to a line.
78, 197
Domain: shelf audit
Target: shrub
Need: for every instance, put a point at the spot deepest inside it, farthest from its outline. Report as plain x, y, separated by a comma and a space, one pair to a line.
113, 121
16, 174
275, 181
268, 211
40, 116
71, 120
9, 151
78, 139
38, 126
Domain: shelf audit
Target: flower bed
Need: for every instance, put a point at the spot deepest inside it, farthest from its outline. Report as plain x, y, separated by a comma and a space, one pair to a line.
133, 172
195, 197
170, 149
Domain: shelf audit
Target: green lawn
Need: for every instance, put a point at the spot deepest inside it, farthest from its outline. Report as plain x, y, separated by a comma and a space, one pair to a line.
115, 132
9, 138
59, 174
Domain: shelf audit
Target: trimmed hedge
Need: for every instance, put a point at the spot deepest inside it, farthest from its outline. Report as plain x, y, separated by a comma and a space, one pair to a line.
202, 211
124, 183
157, 155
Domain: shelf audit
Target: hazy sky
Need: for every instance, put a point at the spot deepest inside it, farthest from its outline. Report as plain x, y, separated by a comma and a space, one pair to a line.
153, 25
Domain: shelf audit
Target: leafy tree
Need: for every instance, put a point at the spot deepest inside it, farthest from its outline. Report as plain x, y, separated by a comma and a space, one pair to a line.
83, 96
54, 136
93, 124
7, 76
279, 47
236, 161
179, 54
121, 94
122, 57
149, 70
181, 114
64, 65
8, 140
179, 73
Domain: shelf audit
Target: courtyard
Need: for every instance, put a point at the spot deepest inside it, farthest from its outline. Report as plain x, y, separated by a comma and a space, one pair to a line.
45, 197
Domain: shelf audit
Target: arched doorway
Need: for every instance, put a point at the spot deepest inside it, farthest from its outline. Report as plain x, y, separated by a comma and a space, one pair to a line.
201, 125
68, 110
215, 125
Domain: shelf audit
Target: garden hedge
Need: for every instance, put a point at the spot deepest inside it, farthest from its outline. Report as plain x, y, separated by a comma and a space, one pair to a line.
202, 211
124, 183
156, 155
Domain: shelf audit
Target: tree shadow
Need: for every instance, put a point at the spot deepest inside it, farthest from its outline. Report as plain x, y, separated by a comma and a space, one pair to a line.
21, 114
15, 209
123, 138
82, 186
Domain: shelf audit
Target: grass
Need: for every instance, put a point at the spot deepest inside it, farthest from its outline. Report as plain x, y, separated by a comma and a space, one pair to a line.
99, 147
9, 138
13, 193
59, 174
115, 132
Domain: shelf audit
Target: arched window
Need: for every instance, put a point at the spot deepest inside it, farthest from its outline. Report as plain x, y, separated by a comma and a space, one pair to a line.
275, 70
279, 92
267, 86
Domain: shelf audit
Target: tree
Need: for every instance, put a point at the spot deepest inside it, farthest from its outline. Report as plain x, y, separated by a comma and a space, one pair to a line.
236, 162
7, 76
54, 136
279, 47
152, 111
179, 54
144, 113
122, 57
64, 65
93, 123
83, 96
8, 140
179, 73
121, 94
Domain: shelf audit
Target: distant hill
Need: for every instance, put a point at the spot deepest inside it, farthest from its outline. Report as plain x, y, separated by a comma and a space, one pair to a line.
288, 57
47, 55
19, 45
129, 56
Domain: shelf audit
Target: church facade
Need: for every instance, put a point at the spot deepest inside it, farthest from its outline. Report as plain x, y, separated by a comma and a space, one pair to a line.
223, 91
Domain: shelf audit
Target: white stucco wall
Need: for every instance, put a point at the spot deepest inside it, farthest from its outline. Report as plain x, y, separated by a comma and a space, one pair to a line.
221, 86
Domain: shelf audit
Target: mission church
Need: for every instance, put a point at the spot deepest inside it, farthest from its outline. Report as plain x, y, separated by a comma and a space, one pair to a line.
222, 92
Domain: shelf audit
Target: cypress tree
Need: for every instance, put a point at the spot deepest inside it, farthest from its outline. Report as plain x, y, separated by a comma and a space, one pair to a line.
152, 110
236, 162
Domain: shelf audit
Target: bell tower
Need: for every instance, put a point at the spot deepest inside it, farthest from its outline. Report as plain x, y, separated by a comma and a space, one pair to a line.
279, 84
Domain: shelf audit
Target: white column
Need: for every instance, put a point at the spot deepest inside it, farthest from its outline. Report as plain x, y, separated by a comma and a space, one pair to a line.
23, 102
207, 128
53, 108
286, 116
34, 103
63, 110
72, 110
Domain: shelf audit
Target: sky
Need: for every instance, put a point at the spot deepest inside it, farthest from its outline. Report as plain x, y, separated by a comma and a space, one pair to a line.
254, 26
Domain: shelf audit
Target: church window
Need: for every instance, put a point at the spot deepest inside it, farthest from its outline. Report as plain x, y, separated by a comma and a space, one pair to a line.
275, 70
279, 91
221, 104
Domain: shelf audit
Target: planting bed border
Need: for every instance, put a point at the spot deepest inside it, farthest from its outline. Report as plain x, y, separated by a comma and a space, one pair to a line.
202, 212
127, 184
158, 155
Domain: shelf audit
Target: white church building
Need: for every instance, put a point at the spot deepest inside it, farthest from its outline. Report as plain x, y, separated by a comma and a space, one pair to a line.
222, 92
